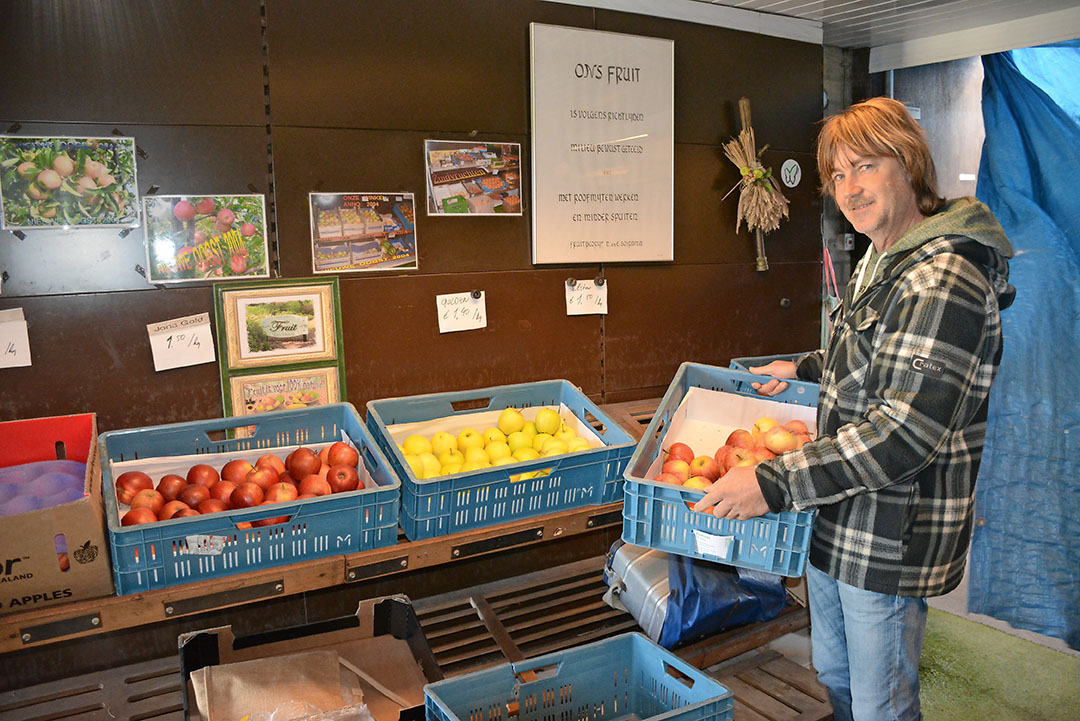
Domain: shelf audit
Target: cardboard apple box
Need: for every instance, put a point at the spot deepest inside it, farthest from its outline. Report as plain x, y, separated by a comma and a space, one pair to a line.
483, 420
31, 575
705, 418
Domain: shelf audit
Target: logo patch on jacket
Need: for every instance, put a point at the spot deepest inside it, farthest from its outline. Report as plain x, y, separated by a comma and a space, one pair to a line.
927, 367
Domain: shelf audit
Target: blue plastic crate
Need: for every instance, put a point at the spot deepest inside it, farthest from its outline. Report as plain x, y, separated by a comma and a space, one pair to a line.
656, 515
626, 677
183, 550
439, 506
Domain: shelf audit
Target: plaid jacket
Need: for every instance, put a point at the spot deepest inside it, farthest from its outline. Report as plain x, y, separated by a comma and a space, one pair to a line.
901, 419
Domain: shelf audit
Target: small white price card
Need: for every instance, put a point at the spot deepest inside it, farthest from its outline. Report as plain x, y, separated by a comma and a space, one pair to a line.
462, 311
181, 342
585, 297
709, 544
14, 339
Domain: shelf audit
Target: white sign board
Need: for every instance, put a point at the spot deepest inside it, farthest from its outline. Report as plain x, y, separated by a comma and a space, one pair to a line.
181, 342
585, 297
602, 146
461, 311
14, 339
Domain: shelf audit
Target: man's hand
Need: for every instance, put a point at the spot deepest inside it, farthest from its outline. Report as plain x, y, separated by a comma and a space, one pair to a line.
736, 495
776, 369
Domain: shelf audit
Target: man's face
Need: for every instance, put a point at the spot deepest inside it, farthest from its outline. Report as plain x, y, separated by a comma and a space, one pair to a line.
875, 195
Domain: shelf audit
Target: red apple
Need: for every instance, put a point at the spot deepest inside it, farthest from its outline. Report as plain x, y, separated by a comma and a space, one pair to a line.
342, 478
761, 425
341, 453
236, 470
169, 509
138, 515
246, 495
203, 475
679, 469
741, 438
193, 495
302, 496
739, 457
680, 452
222, 490
205, 206
286, 478
797, 427
270, 521
263, 476
130, 483
761, 453
303, 462
184, 211
148, 498
186, 512
315, 484
225, 217
212, 505
280, 493
668, 478
721, 455
324, 455
779, 439
248, 229
705, 466
271, 460
170, 486
801, 439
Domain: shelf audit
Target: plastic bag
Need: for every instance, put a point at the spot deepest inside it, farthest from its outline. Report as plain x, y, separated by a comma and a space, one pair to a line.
708, 597
302, 711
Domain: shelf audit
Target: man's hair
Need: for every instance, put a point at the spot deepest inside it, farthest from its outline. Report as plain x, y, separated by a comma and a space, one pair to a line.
880, 127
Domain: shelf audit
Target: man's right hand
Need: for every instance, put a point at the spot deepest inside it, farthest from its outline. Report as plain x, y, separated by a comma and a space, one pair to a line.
777, 369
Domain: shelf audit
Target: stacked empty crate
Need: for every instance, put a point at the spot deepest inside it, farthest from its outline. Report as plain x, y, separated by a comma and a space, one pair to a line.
703, 405
181, 550
464, 501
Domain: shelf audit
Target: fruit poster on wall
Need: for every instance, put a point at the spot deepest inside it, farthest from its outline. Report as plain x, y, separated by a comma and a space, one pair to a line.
362, 232
280, 344
473, 178
64, 181
205, 237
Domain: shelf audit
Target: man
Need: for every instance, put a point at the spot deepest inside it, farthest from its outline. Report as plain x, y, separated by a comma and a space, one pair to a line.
901, 417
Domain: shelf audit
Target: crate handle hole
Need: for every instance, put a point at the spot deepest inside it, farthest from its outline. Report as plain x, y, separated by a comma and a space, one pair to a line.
678, 675
470, 404
539, 673
217, 436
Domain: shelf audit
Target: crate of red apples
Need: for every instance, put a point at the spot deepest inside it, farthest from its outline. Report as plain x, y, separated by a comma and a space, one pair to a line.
190, 501
709, 421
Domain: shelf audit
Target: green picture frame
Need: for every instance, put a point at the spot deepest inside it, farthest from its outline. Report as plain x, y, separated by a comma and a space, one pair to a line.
284, 330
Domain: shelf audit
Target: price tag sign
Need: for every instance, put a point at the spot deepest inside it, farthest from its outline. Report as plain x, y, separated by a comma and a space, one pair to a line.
585, 297
709, 544
14, 339
462, 311
181, 342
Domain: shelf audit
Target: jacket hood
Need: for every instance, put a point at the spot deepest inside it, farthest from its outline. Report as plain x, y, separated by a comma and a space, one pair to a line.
960, 218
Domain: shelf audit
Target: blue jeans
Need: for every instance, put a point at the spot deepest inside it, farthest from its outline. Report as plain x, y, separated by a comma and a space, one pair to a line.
866, 649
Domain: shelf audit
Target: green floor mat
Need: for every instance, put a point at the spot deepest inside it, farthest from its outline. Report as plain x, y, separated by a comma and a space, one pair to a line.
971, 672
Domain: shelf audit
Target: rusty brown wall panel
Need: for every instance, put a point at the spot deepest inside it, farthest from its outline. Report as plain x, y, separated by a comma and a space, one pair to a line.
90, 353
174, 159
406, 64
704, 313
714, 67
117, 61
394, 347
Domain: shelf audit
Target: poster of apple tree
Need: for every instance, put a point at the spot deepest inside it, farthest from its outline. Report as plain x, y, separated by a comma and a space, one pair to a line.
205, 237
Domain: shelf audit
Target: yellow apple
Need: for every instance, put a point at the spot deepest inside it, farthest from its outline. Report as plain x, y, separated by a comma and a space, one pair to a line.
454, 456
540, 439
450, 469
469, 438
517, 440
417, 444
526, 453
761, 426
442, 442
511, 421
565, 433
415, 464
504, 461
431, 465
529, 429
699, 482
473, 466
553, 447
552, 451
497, 450
577, 444
547, 421
476, 454
493, 435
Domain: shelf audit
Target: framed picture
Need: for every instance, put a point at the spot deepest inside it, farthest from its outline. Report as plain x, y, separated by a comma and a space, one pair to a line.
54, 182
205, 237
246, 395
278, 322
473, 178
354, 232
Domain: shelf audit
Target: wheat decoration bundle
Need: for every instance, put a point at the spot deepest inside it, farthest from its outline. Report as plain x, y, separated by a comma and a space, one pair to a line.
761, 203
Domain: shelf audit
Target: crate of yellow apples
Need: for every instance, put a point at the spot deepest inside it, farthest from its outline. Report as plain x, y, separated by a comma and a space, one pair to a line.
469, 459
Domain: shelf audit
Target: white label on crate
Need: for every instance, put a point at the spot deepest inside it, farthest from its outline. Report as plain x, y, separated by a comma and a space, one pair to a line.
14, 339
181, 342
206, 545
462, 311
585, 297
708, 544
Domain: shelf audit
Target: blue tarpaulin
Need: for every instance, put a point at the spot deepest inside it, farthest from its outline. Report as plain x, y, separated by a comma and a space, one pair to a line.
1025, 554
